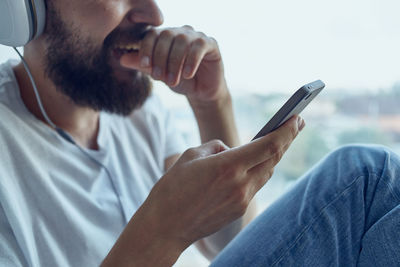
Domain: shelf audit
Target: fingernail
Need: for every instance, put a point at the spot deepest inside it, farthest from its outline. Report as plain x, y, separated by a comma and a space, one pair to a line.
300, 123
157, 72
187, 71
171, 78
145, 62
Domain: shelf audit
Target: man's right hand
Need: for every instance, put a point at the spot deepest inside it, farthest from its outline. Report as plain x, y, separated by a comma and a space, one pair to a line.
207, 188
212, 185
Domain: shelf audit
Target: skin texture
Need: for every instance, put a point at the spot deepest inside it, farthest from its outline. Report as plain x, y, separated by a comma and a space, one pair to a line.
209, 186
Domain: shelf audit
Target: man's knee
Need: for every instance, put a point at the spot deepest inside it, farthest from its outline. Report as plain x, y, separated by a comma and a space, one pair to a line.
362, 158
351, 162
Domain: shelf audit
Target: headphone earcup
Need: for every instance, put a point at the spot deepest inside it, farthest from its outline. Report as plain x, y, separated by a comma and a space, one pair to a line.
40, 17
21, 21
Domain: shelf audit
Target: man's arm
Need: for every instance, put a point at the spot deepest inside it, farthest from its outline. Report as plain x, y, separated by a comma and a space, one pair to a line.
209, 186
182, 208
216, 121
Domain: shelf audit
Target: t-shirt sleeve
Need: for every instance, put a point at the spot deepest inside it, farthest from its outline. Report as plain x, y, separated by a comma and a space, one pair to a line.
163, 128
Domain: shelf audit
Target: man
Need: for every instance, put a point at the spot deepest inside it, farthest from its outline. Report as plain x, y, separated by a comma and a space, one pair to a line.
92, 196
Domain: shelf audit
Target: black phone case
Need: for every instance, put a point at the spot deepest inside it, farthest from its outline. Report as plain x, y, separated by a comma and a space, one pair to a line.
296, 103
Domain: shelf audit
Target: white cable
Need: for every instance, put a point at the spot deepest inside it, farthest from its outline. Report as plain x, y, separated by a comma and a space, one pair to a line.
39, 101
69, 138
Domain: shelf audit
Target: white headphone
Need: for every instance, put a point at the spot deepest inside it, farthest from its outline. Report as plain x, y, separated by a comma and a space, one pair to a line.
21, 21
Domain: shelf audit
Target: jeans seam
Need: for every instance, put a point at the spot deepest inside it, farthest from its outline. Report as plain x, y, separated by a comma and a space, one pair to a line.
316, 218
392, 191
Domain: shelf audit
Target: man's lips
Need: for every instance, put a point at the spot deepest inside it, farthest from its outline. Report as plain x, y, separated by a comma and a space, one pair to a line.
127, 57
120, 50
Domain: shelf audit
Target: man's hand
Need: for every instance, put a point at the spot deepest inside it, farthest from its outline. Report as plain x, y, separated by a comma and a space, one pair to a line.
211, 185
208, 187
188, 61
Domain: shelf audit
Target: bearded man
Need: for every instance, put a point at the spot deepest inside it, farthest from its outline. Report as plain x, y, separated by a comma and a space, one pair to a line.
92, 170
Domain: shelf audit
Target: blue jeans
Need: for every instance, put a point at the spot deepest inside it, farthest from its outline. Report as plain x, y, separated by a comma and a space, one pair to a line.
344, 212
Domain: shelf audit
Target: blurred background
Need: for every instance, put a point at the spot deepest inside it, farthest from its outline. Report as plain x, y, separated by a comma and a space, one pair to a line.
271, 48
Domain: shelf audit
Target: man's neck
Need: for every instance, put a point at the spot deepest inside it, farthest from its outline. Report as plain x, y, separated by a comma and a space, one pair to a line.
81, 123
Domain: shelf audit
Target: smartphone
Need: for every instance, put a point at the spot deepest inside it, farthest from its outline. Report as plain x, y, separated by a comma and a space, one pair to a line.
296, 103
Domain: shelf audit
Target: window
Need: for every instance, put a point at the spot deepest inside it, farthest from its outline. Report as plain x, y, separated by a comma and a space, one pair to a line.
271, 48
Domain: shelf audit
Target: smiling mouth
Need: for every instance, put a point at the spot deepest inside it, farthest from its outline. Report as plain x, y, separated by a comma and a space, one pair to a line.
120, 50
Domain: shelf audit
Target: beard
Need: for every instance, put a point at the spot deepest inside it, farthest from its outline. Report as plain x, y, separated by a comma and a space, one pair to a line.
83, 72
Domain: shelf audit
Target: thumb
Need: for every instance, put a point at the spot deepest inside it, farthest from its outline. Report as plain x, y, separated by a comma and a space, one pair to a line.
132, 61
210, 148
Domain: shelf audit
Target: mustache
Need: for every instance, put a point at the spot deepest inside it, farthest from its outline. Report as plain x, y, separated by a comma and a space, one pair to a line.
126, 36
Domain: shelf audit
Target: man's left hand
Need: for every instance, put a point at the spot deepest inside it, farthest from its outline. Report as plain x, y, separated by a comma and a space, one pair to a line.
189, 62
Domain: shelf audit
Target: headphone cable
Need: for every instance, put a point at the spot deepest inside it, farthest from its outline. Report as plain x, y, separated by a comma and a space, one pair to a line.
69, 138
39, 101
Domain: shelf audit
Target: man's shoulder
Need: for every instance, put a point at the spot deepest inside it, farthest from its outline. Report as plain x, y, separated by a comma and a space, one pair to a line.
6, 72
9, 105
8, 83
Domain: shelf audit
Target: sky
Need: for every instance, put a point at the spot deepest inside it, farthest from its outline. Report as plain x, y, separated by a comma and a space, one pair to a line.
270, 46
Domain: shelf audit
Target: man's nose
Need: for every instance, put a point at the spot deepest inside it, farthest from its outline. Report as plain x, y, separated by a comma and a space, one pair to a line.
147, 12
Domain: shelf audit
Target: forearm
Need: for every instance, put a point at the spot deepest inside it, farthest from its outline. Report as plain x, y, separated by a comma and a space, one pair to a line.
141, 244
216, 120
212, 245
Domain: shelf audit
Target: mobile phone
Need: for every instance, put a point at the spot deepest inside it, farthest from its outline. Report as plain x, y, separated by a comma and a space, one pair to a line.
296, 103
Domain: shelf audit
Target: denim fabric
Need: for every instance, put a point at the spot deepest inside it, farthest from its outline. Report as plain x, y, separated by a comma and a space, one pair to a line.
344, 212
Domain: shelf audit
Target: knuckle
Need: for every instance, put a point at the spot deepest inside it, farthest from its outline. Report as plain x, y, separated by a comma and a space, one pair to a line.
218, 142
167, 34
150, 35
274, 147
200, 42
213, 40
202, 35
235, 172
190, 153
277, 156
182, 40
188, 27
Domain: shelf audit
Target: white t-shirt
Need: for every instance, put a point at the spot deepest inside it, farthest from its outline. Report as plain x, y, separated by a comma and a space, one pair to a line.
57, 206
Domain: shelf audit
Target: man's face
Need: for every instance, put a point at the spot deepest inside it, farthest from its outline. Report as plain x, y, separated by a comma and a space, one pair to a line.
82, 57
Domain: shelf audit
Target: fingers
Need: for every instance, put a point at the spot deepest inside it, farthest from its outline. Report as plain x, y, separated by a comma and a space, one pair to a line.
269, 147
142, 61
196, 53
172, 54
161, 54
146, 49
176, 59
